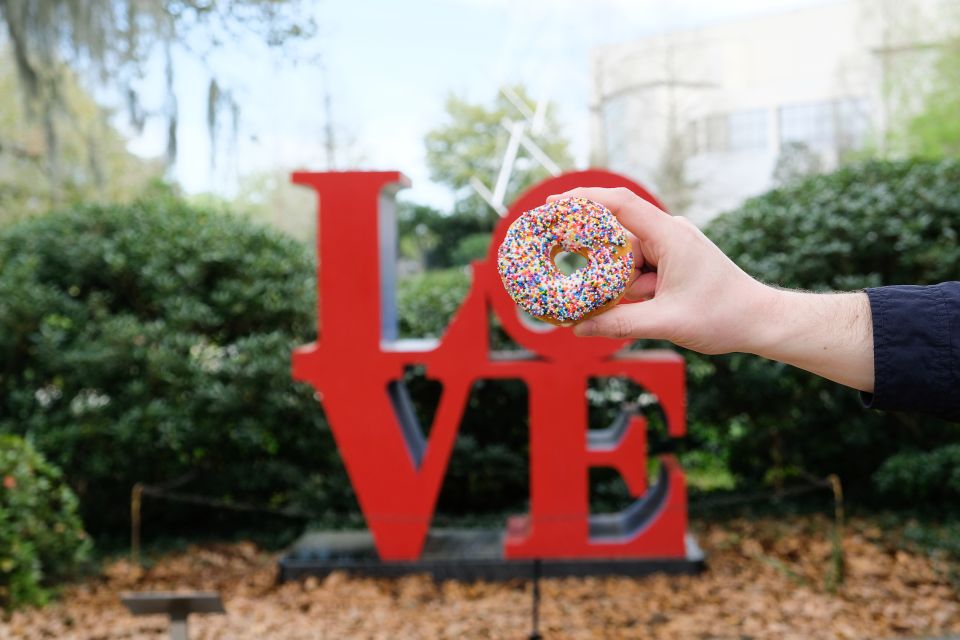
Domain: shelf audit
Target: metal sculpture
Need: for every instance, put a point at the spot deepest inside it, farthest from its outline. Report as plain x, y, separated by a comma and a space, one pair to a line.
357, 365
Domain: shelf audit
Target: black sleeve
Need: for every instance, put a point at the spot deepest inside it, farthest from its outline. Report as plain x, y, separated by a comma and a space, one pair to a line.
916, 349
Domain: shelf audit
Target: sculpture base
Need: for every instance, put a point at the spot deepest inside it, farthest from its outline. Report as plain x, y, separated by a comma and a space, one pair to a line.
461, 554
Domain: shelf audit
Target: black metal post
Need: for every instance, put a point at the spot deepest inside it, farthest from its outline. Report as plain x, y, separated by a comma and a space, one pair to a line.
535, 633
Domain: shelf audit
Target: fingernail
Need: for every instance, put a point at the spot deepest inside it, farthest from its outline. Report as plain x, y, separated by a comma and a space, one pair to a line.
585, 328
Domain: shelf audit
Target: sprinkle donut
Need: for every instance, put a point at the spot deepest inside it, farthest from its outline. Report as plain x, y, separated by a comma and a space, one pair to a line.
575, 225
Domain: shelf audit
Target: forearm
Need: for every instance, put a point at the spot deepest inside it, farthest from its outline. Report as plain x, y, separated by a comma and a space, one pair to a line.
829, 334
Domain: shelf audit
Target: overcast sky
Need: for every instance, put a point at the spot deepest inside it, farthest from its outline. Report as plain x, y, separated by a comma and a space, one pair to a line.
390, 66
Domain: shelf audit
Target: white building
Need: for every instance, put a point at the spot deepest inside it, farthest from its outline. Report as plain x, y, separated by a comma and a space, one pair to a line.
702, 116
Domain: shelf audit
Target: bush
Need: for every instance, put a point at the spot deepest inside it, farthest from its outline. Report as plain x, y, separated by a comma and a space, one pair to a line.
41, 536
440, 241
151, 343
866, 225
925, 477
427, 301
472, 247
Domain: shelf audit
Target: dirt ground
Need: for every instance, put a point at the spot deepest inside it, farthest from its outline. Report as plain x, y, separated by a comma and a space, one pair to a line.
766, 579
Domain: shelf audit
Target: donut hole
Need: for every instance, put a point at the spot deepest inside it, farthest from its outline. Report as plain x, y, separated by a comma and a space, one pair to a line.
568, 262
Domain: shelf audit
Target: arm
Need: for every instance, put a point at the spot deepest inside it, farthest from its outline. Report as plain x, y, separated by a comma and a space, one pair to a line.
699, 299
829, 334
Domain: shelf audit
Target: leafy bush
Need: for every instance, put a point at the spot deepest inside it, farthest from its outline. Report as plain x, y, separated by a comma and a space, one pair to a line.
472, 247
152, 342
41, 536
866, 225
427, 301
921, 476
440, 241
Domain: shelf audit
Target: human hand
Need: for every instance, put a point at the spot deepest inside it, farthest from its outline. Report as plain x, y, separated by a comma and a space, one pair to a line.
696, 297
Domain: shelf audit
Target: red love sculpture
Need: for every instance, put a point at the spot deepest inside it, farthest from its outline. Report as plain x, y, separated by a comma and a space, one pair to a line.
356, 366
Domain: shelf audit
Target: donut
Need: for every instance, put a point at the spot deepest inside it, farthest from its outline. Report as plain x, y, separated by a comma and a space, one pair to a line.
576, 225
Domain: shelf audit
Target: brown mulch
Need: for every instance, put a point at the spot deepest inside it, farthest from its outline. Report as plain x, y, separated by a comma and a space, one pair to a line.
766, 579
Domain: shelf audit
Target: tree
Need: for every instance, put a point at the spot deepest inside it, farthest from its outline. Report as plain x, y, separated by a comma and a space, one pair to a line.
471, 144
103, 171
795, 162
270, 197
934, 131
113, 40
672, 176
435, 240
919, 57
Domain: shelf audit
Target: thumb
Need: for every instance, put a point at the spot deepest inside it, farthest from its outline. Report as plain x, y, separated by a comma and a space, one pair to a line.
636, 320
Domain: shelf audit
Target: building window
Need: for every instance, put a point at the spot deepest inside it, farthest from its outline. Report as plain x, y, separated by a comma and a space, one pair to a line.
615, 125
838, 125
748, 130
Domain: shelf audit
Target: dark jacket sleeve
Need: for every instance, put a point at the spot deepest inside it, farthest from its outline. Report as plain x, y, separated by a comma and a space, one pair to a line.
916, 349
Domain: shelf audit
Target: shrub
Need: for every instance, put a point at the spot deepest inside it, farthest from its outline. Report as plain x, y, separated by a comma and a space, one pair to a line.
926, 477
866, 225
427, 301
152, 342
472, 247
440, 241
41, 536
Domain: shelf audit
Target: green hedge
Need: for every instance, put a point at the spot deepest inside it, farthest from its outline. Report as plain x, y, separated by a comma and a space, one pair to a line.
41, 536
151, 343
866, 225
922, 476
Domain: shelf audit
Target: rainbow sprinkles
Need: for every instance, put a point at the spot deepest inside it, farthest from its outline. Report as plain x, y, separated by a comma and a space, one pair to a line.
575, 225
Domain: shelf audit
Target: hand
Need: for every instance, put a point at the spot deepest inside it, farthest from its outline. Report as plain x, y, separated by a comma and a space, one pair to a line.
697, 297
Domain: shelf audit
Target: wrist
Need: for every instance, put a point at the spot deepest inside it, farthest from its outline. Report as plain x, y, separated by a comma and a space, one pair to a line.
766, 317
829, 334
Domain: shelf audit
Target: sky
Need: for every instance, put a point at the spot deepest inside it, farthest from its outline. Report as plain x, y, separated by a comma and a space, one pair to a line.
389, 66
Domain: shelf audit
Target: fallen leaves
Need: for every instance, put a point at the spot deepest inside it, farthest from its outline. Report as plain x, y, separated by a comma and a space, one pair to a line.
765, 580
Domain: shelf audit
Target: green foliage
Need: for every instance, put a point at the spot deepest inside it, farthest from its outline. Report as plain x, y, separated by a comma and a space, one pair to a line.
925, 477
426, 302
41, 536
112, 42
934, 130
796, 162
271, 198
437, 240
92, 155
866, 225
152, 342
472, 141
472, 247
488, 470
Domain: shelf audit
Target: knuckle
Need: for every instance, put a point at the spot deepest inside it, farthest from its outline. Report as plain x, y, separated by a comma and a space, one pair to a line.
620, 327
683, 224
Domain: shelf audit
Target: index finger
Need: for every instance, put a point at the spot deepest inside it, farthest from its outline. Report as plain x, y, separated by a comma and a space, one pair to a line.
640, 217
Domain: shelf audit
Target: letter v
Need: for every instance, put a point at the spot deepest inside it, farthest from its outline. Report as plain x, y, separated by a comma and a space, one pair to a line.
396, 486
